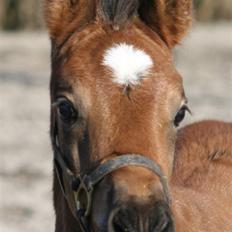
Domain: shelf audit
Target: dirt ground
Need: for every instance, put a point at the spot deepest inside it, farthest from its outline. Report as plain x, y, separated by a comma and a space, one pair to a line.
204, 60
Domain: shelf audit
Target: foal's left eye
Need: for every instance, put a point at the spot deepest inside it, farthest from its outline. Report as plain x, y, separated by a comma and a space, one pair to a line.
180, 115
67, 112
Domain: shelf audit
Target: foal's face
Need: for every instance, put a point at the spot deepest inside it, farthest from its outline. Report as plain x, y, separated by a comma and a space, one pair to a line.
118, 92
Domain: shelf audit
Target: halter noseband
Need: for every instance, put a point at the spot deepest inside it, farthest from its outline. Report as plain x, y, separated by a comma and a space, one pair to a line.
78, 190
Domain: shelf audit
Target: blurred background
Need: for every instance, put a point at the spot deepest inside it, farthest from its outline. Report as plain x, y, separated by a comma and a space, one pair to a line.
204, 59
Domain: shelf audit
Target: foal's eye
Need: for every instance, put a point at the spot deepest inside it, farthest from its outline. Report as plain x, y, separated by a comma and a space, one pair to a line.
180, 115
67, 112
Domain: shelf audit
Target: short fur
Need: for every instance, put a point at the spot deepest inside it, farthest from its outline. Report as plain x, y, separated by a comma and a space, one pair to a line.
201, 180
63, 17
169, 18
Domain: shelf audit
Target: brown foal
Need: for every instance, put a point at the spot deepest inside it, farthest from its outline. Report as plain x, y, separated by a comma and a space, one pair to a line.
115, 91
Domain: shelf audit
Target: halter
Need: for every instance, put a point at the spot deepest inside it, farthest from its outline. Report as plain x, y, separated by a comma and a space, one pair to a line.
78, 189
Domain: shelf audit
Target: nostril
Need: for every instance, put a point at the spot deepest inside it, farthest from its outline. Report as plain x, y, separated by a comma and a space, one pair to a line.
136, 219
161, 219
123, 220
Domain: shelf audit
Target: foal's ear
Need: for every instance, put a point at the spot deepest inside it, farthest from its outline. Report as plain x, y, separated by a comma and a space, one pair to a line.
64, 16
169, 18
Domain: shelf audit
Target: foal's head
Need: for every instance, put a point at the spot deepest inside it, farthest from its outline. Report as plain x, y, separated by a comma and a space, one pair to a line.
115, 90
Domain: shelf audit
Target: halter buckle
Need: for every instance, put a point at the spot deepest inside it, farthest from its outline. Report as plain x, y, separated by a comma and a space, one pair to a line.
83, 196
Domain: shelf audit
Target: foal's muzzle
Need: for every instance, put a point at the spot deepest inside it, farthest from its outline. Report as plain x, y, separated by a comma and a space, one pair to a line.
156, 219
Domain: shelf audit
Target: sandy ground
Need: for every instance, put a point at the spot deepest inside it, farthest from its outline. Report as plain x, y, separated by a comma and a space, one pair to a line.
204, 60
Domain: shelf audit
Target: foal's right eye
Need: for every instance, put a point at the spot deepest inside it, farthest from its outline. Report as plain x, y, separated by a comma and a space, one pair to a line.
67, 112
